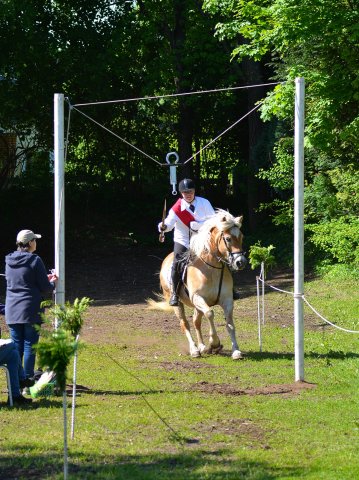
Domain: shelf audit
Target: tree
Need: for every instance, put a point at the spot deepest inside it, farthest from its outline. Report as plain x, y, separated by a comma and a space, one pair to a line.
314, 40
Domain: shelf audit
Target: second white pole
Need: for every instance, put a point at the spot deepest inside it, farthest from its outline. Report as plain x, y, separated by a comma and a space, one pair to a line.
299, 228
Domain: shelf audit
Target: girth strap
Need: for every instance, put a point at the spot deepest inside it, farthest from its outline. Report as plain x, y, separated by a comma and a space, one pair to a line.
220, 285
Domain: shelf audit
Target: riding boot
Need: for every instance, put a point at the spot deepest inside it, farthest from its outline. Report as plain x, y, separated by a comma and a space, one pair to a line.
236, 295
176, 283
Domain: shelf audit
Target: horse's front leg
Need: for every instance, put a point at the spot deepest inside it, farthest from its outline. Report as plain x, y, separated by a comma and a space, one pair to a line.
180, 314
201, 306
228, 312
197, 322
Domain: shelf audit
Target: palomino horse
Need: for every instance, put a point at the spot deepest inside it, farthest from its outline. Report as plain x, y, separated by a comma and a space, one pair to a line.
214, 250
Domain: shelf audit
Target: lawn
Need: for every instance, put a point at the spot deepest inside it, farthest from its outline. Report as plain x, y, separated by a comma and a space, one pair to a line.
146, 410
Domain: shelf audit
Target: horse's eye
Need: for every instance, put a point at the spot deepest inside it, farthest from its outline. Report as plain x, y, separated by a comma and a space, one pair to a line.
228, 239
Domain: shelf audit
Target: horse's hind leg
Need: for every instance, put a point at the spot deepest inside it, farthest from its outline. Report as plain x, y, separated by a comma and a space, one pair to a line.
180, 314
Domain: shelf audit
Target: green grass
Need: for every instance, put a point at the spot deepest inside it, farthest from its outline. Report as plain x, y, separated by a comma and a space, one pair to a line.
152, 412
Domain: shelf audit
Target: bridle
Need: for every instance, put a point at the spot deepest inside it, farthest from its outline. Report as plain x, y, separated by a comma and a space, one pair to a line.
222, 261
219, 258
232, 255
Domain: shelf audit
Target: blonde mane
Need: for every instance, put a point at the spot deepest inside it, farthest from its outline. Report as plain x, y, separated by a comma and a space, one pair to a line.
223, 221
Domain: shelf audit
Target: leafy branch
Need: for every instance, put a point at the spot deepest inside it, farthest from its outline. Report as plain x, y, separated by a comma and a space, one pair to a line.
259, 255
58, 346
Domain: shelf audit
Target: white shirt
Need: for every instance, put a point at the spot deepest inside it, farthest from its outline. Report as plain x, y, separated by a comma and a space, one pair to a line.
203, 210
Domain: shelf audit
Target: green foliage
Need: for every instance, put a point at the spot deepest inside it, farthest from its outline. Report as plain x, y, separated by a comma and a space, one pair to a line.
280, 174
55, 351
319, 199
312, 39
57, 347
259, 254
109, 55
337, 272
346, 183
339, 238
70, 316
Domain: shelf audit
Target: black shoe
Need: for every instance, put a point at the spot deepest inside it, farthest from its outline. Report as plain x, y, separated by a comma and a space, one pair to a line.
37, 374
174, 300
236, 295
20, 400
27, 382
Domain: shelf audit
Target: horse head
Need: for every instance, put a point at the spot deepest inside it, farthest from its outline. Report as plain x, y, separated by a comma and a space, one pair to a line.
230, 241
221, 236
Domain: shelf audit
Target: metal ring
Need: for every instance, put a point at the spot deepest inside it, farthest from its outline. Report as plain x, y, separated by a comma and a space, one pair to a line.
172, 153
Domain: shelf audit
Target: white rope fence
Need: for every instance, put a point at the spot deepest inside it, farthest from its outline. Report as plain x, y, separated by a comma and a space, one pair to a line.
261, 305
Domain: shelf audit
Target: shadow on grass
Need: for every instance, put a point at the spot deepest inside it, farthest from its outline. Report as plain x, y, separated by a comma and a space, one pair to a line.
120, 393
191, 465
331, 354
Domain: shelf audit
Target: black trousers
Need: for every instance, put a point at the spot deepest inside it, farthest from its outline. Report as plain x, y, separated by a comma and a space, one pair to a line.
176, 273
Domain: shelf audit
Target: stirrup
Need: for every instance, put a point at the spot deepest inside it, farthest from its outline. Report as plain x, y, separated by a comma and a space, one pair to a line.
173, 300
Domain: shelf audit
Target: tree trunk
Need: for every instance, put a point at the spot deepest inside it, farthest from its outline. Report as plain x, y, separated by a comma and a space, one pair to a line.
256, 128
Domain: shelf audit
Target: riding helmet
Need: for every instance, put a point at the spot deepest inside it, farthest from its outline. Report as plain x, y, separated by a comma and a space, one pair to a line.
186, 184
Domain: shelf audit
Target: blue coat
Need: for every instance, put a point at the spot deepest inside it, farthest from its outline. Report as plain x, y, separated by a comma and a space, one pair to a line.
26, 280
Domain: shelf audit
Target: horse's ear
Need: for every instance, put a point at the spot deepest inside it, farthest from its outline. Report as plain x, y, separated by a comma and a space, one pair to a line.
239, 220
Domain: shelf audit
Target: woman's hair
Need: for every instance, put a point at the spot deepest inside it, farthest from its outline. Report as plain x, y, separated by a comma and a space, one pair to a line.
23, 247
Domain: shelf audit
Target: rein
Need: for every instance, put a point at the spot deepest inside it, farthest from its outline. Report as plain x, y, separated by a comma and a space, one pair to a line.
221, 268
220, 285
212, 266
222, 261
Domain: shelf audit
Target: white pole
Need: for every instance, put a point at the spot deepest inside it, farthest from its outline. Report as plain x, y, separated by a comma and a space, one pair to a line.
66, 453
259, 316
262, 276
59, 182
299, 228
74, 392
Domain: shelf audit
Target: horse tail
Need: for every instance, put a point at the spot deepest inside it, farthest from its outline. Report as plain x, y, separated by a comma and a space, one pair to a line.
160, 304
162, 298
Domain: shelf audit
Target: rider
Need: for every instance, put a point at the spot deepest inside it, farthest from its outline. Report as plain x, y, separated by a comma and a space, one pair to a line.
185, 216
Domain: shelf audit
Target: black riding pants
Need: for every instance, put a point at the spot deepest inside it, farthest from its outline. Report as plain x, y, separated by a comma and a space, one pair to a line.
178, 251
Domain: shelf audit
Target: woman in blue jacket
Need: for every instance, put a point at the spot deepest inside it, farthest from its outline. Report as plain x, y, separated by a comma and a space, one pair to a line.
26, 280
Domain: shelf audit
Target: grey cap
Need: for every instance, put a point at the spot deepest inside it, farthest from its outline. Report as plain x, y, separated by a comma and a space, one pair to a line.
25, 236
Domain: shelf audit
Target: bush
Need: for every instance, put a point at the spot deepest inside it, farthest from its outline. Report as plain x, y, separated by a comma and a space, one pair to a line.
339, 238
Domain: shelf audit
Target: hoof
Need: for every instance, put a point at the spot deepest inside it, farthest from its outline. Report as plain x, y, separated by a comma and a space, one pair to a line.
202, 348
195, 353
217, 349
214, 350
237, 355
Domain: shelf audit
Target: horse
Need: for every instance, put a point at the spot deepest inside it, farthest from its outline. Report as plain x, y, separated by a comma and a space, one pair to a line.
214, 250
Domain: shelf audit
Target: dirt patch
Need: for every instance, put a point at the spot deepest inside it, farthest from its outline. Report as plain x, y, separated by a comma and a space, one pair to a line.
244, 428
286, 390
120, 280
